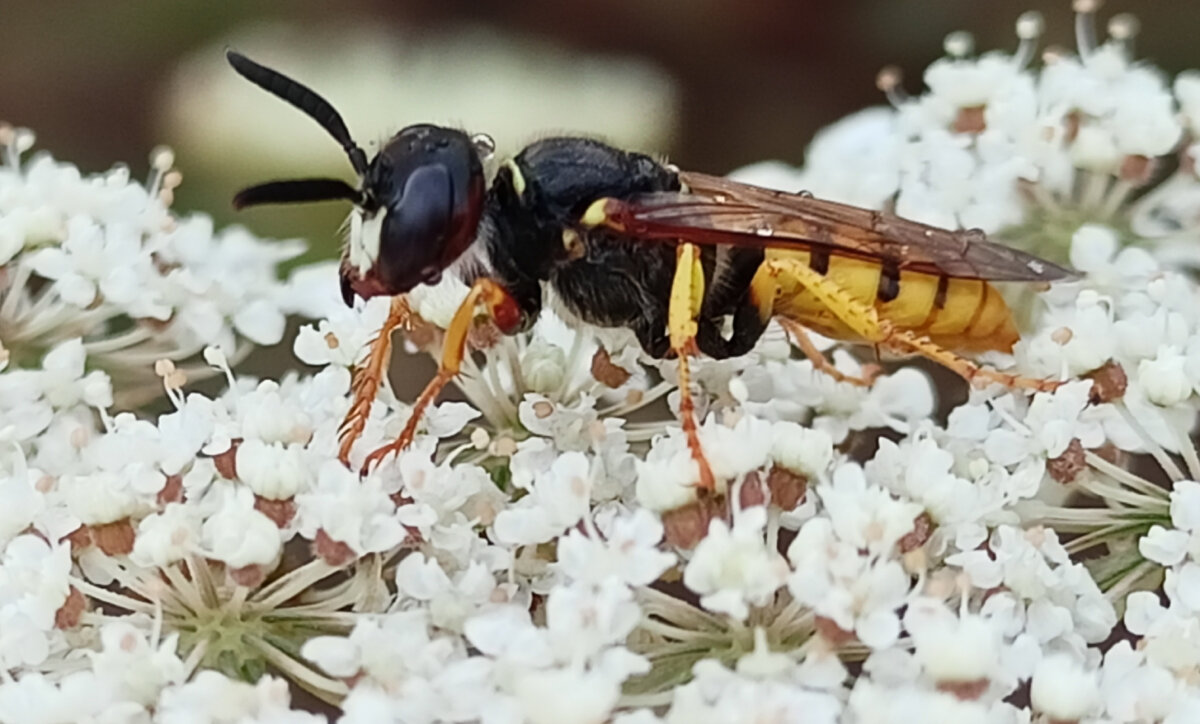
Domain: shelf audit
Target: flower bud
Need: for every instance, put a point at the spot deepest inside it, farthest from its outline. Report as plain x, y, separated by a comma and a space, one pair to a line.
1163, 379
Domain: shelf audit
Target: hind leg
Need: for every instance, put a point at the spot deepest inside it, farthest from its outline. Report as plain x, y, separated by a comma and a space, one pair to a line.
864, 321
820, 362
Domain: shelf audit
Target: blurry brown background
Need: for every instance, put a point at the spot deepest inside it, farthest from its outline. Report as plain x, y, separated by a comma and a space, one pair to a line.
754, 78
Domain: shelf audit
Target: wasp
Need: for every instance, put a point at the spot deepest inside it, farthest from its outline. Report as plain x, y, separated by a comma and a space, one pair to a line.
690, 263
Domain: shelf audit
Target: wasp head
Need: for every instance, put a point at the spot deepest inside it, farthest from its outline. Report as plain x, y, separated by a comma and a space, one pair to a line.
423, 195
417, 204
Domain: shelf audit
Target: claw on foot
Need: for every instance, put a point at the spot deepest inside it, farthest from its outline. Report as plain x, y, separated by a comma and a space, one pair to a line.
368, 377
378, 455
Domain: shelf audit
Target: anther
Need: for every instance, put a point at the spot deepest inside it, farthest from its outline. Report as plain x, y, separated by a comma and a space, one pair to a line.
23, 140
1085, 25
889, 81
1122, 29
1124, 26
14, 141
162, 158
959, 44
1030, 26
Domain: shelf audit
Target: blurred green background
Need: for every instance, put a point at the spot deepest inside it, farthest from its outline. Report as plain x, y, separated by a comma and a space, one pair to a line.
714, 84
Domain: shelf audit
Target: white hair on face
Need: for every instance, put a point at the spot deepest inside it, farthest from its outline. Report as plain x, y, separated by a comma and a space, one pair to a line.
363, 239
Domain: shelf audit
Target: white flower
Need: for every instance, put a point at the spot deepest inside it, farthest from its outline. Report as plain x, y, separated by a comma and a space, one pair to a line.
109, 260
358, 513
1132, 688
739, 449
733, 568
167, 537
450, 602
239, 535
951, 648
218, 698
1163, 378
558, 500
627, 550
33, 585
667, 476
343, 338
273, 470
22, 500
801, 450
566, 696
717, 694
867, 518
135, 668
1062, 690
921, 471
873, 703
521, 560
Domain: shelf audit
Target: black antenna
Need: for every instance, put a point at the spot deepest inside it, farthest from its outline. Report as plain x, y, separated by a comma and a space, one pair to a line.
297, 191
305, 99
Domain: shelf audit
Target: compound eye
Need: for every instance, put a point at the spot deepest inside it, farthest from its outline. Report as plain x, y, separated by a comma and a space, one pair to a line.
416, 227
426, 206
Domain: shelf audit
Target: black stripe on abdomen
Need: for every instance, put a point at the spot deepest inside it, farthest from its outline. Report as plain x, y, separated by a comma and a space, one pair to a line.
889, 282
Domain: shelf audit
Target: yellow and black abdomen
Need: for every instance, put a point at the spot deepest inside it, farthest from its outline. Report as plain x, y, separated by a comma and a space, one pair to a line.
967, 315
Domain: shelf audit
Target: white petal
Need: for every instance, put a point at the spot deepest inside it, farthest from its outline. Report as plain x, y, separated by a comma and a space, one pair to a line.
261, 322
1165, 546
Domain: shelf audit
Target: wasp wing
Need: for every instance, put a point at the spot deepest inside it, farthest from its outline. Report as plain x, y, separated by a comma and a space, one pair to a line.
715, 210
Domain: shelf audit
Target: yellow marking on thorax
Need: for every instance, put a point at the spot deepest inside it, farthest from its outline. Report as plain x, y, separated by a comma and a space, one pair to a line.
518, 178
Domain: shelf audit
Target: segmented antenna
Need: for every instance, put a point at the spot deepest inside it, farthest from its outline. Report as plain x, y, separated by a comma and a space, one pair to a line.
305, 99
297, 191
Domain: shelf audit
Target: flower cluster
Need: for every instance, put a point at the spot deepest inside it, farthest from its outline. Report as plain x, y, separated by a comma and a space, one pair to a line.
541, 553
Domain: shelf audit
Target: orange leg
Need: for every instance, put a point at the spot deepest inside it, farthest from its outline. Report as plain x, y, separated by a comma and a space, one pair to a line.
368, 377
687, 292
820, 361
904, 341
501, 308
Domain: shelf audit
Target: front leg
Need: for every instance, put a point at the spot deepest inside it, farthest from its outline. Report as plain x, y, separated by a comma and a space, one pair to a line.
501, 308
368, 378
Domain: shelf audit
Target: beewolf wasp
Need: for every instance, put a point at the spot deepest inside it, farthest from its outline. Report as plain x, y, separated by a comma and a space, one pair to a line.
691, 263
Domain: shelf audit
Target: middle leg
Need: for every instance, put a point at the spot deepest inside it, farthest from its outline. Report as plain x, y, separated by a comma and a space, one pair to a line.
687, 294
865, 322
